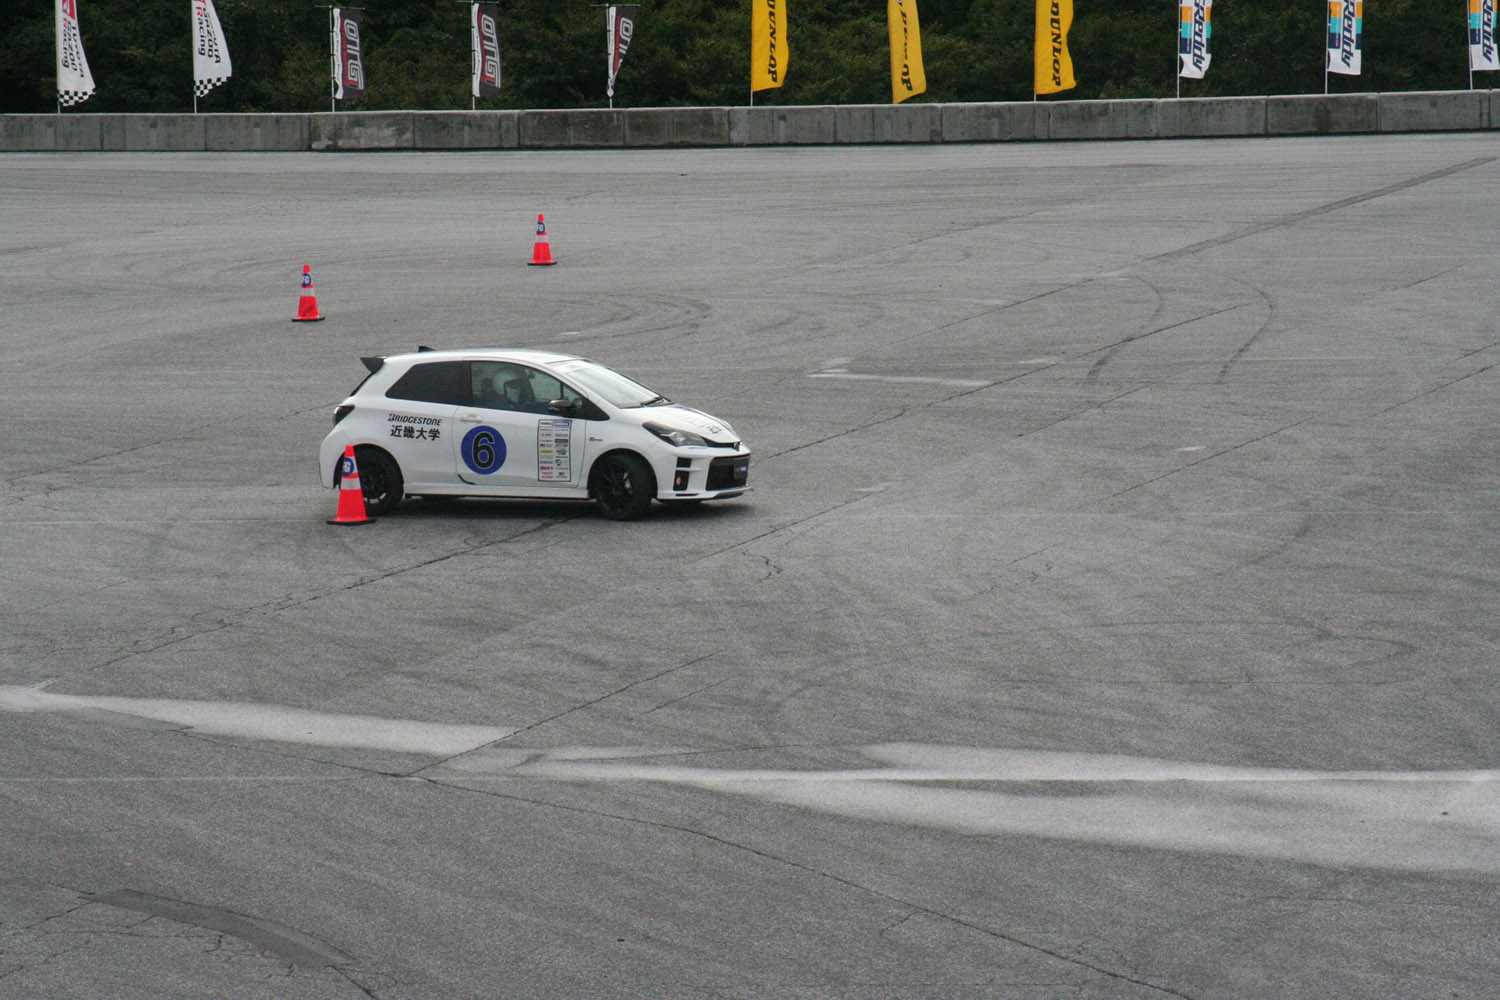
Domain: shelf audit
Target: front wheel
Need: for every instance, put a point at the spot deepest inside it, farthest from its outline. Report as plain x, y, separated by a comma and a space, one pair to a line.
623, 486
379, 480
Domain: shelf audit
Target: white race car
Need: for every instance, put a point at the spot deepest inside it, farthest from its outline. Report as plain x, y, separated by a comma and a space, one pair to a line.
498, 423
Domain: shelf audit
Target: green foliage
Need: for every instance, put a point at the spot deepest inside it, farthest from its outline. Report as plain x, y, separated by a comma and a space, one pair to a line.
696, 53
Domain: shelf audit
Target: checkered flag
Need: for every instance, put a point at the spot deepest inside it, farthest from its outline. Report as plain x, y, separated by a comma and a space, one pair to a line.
211, 65
74, 81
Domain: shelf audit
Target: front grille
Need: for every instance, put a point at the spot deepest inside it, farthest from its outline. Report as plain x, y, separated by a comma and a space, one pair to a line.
728, 473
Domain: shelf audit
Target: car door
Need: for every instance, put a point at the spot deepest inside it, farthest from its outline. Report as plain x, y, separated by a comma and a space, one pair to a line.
508, 440
418, 422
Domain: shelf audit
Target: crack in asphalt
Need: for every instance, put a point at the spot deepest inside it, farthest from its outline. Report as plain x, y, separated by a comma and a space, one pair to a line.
1109, 353
1439, 388
847, 883
1213, 455
177, 634
1294, 217
565, 712
187, 435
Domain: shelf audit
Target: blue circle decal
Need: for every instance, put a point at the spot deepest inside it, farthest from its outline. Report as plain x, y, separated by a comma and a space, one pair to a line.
483, 450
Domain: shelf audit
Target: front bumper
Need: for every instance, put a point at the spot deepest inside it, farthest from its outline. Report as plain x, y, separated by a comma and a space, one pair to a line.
705, 475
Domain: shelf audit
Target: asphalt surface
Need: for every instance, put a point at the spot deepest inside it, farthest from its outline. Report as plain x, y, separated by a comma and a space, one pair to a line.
1114, 615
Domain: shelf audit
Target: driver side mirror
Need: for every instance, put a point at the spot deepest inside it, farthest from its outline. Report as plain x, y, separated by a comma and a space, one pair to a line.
563, 406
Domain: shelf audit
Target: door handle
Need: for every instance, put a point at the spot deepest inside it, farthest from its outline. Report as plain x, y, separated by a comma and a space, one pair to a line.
469, 418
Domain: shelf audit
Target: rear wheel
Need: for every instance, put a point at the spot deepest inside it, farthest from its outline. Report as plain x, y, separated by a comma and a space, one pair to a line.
379, 480
623, 485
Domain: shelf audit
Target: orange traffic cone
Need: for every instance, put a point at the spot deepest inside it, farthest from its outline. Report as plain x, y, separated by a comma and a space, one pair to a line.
351, 496
307, 307
542, 252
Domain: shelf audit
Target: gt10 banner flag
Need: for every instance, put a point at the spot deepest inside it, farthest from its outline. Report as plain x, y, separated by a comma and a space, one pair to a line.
484, 34
348, 62
618, 30
1195, 43
1482, 35
74, 81
211, 65
908, 78
1054, 66
768, 49
1346, 29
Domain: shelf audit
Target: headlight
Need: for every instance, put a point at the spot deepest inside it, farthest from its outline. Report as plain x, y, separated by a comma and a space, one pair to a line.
673, 436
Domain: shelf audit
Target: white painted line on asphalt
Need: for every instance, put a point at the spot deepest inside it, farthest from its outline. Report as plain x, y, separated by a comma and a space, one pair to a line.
1401, 820
961, 383
247, 720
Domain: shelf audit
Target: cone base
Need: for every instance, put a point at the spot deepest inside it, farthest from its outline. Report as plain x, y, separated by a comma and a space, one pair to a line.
307, 319
540, 263
368, 520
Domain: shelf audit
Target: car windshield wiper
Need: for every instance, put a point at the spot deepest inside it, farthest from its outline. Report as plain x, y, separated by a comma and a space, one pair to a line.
657, 401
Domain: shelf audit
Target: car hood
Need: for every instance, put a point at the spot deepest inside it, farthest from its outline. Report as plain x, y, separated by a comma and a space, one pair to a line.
710, 427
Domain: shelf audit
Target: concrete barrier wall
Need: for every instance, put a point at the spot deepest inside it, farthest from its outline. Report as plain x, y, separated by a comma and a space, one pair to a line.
256, 132
858, 124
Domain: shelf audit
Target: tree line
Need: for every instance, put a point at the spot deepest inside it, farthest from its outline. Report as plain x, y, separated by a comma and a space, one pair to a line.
696, 53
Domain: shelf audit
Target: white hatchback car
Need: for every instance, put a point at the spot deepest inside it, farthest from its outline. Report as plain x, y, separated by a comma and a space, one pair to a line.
498, 423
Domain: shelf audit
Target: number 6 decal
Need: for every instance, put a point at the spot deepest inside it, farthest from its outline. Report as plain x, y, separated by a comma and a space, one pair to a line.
483, 450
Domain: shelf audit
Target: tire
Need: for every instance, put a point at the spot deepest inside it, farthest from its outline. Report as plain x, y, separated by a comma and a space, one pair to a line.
623, 485
379, 480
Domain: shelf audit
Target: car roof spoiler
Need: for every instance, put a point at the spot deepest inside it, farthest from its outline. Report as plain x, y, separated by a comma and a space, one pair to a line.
374, 363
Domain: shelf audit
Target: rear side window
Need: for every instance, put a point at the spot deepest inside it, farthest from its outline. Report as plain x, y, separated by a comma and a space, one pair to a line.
435, 382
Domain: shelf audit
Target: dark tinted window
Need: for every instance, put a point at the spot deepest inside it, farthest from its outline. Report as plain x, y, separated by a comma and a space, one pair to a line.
434, 382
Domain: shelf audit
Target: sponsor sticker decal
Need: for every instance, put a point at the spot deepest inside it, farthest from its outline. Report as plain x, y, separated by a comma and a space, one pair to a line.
554, 458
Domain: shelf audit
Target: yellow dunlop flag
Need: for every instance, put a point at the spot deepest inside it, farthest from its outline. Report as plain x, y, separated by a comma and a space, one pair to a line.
1054, 67
768, 50
907, 76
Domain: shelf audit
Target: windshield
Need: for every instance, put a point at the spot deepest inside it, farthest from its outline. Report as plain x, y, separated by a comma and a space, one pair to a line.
610, 385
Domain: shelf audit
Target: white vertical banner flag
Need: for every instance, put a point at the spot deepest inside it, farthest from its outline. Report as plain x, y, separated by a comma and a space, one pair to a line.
74, 81
1346, 36
1194, 38
211, 65
1482, 35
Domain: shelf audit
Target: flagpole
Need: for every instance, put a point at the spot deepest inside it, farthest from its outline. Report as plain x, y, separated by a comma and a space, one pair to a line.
473, 55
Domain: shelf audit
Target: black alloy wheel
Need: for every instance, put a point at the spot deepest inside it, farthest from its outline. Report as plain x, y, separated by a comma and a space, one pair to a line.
379, 480
623, 486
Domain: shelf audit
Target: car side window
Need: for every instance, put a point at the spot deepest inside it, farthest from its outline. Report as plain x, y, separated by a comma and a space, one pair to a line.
433, 382
499, 385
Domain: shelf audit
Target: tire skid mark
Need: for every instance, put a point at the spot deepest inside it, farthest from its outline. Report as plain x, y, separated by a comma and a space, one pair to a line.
1141, 331
302, 950
844, 881
1292, 218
